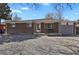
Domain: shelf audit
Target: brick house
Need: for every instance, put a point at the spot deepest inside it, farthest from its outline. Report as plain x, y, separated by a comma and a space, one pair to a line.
42, 26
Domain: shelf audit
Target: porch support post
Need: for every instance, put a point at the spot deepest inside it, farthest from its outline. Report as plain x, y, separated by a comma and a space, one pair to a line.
58, 27
59, 30
42, 28
33, 28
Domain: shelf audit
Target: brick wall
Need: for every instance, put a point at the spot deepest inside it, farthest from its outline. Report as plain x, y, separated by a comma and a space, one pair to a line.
19, 28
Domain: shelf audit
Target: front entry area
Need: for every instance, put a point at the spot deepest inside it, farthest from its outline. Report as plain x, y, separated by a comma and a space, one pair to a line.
46, 27
38, 28
51, 28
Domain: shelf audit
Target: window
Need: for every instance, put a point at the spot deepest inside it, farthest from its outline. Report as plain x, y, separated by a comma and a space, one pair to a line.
30, 25
48, 26
13, 25
38, 27
4, 27
63, 23
67, 24
70, 23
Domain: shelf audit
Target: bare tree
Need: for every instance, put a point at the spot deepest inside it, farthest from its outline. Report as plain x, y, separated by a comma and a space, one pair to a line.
49, 16
57, 6
16, 17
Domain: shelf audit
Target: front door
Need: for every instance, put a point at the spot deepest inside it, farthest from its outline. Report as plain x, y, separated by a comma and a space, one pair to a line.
38, 28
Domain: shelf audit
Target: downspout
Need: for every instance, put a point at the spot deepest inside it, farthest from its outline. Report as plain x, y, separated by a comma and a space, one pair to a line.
59, 28
0, 20
75, 28
5, 27
0, 29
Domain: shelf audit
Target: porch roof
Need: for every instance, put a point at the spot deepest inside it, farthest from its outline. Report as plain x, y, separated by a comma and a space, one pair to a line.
45, 21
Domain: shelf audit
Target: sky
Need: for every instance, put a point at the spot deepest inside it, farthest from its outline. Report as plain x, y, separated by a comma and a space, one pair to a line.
27, 12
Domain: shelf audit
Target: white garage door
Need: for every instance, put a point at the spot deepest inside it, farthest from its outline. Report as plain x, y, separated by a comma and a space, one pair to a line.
66, 29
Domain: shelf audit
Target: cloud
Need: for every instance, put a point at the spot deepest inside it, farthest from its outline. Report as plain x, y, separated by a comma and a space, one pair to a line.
46, 4
16, 11
76, 13
25, 8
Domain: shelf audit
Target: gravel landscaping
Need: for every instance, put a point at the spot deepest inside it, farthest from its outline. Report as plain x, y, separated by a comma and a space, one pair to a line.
44, 45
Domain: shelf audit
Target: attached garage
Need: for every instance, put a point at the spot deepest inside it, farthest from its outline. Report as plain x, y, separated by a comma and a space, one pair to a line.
67, 28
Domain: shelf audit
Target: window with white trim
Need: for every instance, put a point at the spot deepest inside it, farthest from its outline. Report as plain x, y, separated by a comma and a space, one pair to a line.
13, 25
30, 25
48, 26
38, 26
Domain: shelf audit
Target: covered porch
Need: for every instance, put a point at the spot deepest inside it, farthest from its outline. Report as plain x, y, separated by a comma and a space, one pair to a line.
50, 28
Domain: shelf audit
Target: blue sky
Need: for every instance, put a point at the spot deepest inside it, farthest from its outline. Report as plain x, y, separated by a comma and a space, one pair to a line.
27, 12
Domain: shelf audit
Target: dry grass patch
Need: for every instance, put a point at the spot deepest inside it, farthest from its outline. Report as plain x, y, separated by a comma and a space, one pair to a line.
42, 46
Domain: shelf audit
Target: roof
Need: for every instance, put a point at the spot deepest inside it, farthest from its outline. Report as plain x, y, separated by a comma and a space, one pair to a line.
14, 21
37, 21
45, 21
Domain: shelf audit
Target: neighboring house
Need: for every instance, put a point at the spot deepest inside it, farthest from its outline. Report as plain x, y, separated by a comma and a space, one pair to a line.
2, 28
58, 27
